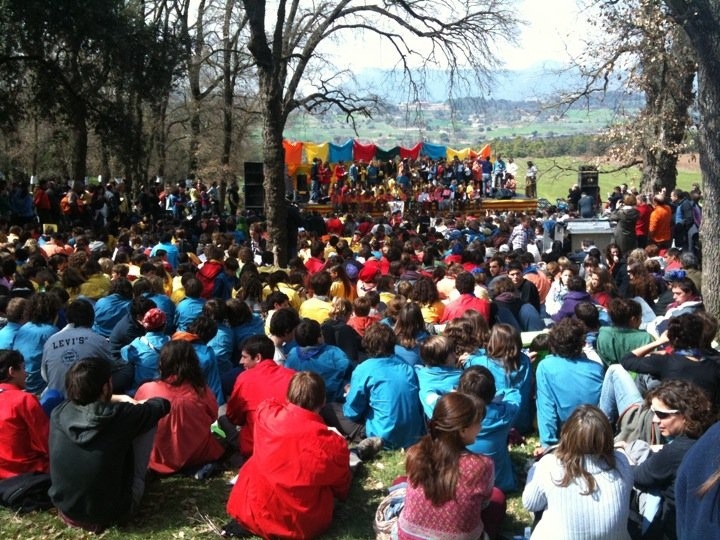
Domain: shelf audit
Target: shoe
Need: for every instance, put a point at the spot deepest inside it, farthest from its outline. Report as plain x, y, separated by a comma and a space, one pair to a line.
206, 471
232, 529
369, 448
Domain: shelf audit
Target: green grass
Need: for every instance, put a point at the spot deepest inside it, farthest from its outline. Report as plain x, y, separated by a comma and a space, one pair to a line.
557, 175
183, 508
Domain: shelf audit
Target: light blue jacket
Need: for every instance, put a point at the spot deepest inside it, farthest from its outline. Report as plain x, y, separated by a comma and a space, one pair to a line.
562, 385
520, 379
223, 345
108, 311
384, 394
328, 361
187, 310
209, 366
434, 381
492, 441
7, 335
29, 342
143, 353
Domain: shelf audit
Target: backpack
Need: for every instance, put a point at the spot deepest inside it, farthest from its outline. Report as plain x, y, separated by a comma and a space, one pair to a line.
26, 492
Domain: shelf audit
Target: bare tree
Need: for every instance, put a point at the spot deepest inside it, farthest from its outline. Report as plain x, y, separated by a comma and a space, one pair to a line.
701, 21
454, 35
641, 49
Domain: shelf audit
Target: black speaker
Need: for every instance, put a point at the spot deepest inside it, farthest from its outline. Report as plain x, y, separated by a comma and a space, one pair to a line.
588, 176
302, 185
254, 191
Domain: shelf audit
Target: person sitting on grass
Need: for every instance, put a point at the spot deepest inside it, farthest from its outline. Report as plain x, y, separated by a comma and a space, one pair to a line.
23, 423
261, 379
439, 374
298, 468
100, 445
382, 400
312, 354
447, 486
183, 439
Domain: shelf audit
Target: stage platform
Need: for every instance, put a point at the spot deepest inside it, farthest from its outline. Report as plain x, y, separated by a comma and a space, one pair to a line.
376, 209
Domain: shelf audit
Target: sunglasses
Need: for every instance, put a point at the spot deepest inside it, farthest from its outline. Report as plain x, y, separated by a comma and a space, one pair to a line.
662, 415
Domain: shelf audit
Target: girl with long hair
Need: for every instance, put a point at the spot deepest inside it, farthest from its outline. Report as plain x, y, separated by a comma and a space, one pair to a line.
511, 368
410, 332
583, 488
447, 485
183, 439
341, 286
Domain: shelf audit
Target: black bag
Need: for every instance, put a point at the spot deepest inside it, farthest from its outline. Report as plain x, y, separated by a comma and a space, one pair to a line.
26, 492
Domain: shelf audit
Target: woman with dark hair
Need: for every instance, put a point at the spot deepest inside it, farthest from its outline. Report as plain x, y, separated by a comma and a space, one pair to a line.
183, 440
618, 268
410, 333
341, 285
199, 334
641, 283
684, 357
447, 485
583, 488
600, 285
566, 378
682, 412
511, 369
426, 295
626, 217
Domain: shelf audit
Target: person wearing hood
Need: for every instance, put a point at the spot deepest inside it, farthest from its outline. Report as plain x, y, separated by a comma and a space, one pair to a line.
507, 307
577, 292
100, 446
361, 318
328, 361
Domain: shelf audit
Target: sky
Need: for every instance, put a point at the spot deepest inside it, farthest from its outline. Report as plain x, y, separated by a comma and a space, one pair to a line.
552, 29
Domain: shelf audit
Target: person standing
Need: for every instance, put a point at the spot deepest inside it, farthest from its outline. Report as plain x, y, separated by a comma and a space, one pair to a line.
531, 181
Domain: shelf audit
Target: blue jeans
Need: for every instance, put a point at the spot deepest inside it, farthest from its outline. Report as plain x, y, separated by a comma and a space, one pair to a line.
618, 392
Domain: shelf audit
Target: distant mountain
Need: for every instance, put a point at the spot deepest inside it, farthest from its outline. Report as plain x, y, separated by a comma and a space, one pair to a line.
541, 84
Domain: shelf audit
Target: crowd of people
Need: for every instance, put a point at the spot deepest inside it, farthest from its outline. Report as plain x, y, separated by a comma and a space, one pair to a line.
164, 341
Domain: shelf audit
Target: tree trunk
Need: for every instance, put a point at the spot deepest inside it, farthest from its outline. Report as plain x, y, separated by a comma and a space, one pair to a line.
274, 168
701, 21
79, 135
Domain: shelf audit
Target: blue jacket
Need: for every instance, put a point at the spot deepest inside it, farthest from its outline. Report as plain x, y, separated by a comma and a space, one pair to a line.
144, 355
493, 436
7, 335
328, 361
384, 393
521, 380
412, 356
187, 310
250, 328
208, 364
562, 385
434, 381
108, 311
29, 342
223, 345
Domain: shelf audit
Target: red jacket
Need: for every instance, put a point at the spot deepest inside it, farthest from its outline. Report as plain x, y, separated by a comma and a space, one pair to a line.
252, 387
24, 431
458, 307
286, 489
207, 274
183, 437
